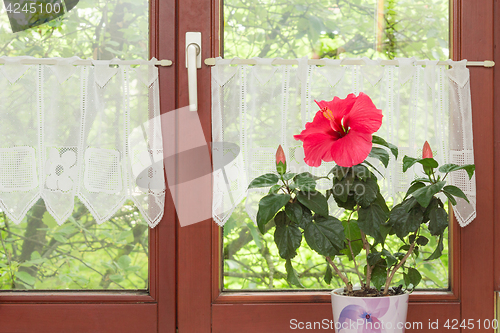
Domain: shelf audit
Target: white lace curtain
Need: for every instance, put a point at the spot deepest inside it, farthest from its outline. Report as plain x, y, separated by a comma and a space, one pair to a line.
258, 107
91, 132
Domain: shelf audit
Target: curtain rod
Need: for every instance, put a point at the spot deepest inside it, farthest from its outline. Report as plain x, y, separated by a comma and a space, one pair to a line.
49, 61
211, 62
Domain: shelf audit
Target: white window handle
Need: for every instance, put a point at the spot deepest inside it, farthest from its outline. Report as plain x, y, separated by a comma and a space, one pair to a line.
193, 61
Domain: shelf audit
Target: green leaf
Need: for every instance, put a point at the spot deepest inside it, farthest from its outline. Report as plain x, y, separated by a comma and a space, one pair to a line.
371, 166
425, 194
390, 260
325, 235
342, 188
365, 192
450, 197
379, 274
305, 181
339, 172
382, 203
268, 207
26, 277
428, 162
315, 201
229, 226
124, 261
406, 217
385, 230
291, 275
370, 219
422, 240
49, 221
274, 189
117, 278
470, 168
405, 247
288, 175
412, 238
350, 204
413, 188
287, 236
438, 221
306, 217
361, 172
438, 251
281, 168
412, 276
35, 255
374, 258
294, 211
60, 238
378, 140
408, 162
257, 238
353, 233
381, 154
269, 179
328, 274
421, 179
453, 190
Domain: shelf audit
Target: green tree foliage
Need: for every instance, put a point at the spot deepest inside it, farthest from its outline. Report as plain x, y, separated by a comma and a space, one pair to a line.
39, 254
94, 29
333, 29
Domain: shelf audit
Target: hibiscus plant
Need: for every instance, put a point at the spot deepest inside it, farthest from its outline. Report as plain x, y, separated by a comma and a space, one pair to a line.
342, 132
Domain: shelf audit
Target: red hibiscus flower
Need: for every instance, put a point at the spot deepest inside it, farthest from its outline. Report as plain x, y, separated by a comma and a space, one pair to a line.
341, 131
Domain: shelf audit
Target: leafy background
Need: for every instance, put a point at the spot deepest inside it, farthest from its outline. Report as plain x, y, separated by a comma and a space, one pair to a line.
316, 29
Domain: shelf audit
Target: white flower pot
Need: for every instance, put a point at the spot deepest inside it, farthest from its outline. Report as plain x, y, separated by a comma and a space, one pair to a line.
369, 314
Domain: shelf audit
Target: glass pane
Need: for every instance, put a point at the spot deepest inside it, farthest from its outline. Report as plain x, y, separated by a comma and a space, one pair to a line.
80, 254
339, 29
39, 254
333, 29
93, 29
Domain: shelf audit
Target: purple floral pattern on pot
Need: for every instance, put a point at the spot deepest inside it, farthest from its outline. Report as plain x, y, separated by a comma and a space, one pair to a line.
369, 314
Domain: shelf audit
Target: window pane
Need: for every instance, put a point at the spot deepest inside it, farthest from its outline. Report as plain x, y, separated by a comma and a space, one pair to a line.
93, 29
39, 254
317, 29
339, 29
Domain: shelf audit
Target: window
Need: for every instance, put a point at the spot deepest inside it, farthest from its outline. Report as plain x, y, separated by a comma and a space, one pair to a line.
80, 254
95, 30
322, 29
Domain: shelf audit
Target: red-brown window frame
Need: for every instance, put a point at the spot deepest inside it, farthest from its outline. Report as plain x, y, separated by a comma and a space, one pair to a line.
204, 307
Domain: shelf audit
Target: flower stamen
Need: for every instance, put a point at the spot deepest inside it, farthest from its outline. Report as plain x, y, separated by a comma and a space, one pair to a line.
327, 113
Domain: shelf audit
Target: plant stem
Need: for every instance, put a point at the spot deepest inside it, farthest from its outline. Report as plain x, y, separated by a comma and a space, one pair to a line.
366, 246
398, 266
355, 263
352, 253
339, 273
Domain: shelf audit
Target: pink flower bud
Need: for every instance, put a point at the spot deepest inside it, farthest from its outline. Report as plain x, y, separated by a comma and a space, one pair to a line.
280, 161
280, 155
426, 151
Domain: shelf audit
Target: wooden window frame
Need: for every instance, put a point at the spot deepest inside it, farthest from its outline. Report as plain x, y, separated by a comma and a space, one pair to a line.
471, 274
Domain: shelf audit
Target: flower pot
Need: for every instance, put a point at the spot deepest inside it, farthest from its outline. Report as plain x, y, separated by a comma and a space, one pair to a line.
369, 314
